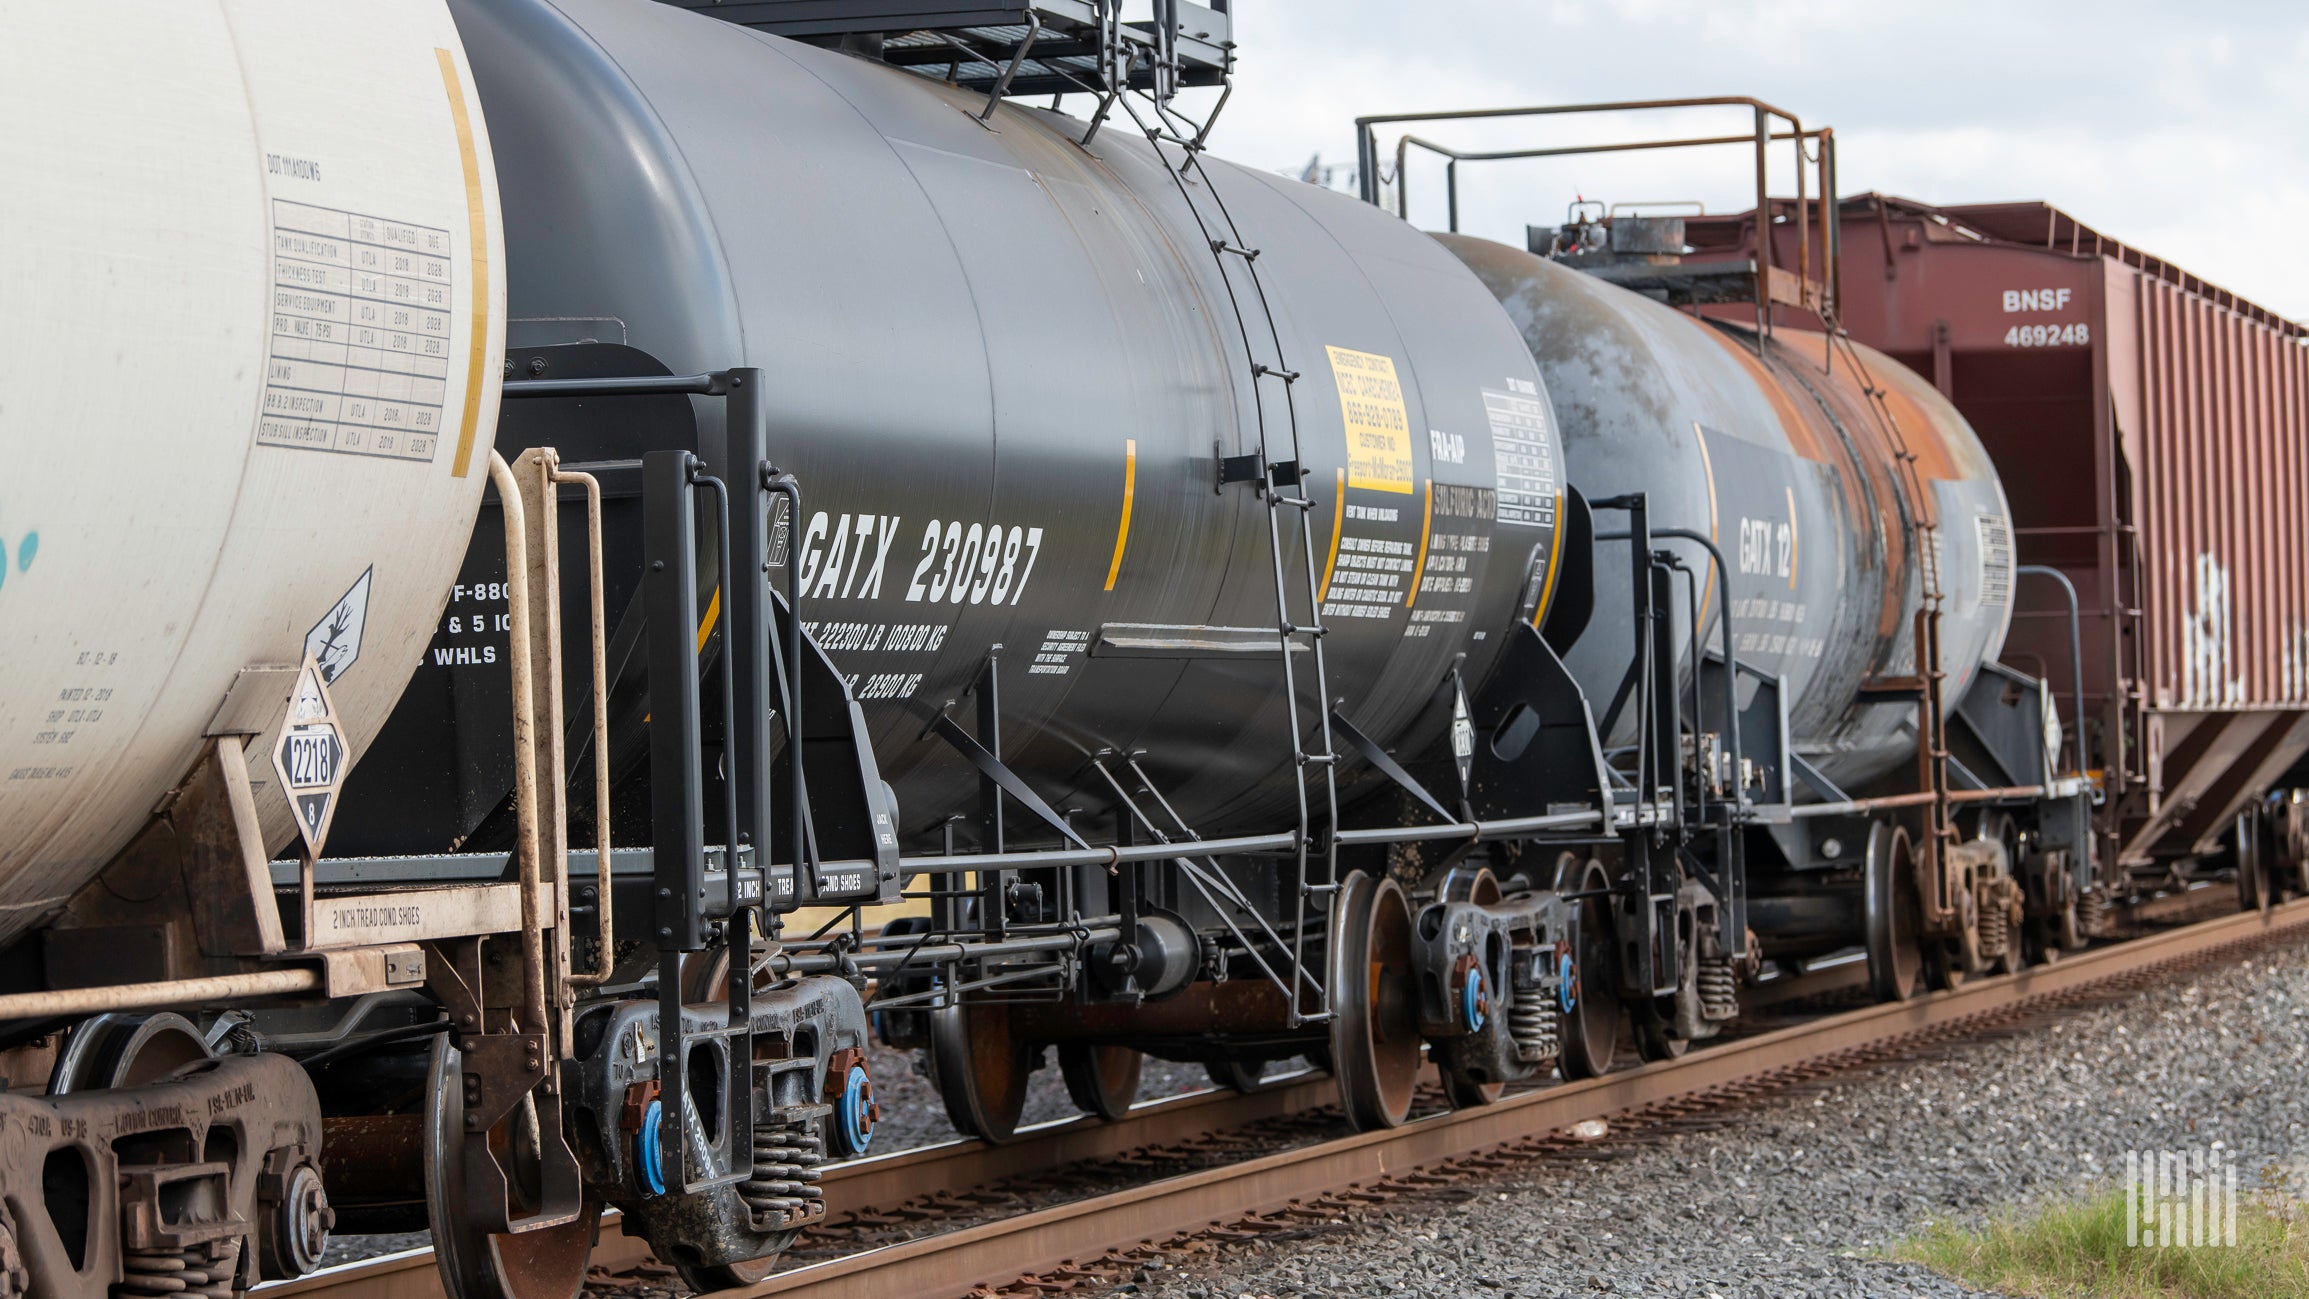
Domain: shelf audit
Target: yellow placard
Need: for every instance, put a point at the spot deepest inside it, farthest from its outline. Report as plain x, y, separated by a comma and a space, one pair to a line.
1378, 428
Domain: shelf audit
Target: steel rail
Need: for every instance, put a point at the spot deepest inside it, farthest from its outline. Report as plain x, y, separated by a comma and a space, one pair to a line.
950, 1263
937, 1267
963, 1165
881, 1180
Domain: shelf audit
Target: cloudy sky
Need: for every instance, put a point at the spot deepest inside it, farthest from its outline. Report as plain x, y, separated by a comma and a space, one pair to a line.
2180, 128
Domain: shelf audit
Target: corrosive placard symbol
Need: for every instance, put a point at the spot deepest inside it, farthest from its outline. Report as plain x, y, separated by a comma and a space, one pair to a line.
311, 756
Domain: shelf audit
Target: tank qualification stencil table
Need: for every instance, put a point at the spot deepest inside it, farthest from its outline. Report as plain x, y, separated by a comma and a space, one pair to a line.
360, 339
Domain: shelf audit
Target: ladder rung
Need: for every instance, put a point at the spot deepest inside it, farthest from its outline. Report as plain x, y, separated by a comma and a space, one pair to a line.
1279, 476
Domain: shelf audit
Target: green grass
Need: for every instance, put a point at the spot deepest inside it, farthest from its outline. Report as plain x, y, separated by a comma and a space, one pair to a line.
2074, 1249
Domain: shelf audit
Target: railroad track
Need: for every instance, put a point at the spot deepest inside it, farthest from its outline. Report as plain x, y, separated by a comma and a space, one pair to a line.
1136, 1221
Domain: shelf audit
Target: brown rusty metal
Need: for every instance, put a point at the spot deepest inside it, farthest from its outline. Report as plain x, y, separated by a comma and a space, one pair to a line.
174, 1172
525, 748
1771, 284
370, 1158
192, 890
1922, 798
596, 622
64, 1002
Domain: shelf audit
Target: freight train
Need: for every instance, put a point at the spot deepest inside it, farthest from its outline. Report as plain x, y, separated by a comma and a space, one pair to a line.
807, 549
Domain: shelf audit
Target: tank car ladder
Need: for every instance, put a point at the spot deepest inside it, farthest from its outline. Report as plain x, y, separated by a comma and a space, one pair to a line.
1277, 472
1932, 755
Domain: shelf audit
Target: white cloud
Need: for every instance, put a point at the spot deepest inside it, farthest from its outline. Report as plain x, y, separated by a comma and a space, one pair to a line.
2176, 128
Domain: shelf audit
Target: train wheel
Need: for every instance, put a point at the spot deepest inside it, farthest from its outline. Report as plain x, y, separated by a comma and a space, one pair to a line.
2250, 848
1895, 954
1103, 1080
1592, 1015
1244, 1076
126, 1051
1375, 1044
1478, 886
547, 1264
981, 1068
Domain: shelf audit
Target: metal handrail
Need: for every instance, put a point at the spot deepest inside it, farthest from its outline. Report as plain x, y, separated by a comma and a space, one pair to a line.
1765, 134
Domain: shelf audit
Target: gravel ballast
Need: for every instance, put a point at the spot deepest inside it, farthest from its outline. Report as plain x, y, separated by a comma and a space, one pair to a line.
1799, 1194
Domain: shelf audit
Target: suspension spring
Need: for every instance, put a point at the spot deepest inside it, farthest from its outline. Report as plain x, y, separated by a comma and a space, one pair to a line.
2092, 913
784, 1189
1995, 930
205, 1270
1531, 1025
1719, 988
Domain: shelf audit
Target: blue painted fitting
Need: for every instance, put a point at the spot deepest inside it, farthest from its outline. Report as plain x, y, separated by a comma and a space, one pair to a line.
854, 1113
646, 1155
1471, 999
1565, 977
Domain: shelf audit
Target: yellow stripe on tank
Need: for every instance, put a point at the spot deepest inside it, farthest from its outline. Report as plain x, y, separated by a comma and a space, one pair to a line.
1338, 519
713, 615
1554, 566
1129, 493
705, 628
1715, 534
477, 241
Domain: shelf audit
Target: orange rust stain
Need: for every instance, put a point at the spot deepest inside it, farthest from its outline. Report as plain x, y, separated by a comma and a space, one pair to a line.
1939, 455
1813, 405
1798, 416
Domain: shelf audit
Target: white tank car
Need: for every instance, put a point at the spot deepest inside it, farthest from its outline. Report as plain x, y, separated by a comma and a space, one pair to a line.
250, 321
